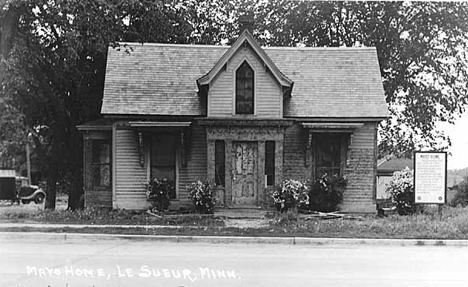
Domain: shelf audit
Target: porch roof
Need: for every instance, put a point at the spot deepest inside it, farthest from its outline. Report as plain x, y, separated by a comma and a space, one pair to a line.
150, 124
330, 126
99, 124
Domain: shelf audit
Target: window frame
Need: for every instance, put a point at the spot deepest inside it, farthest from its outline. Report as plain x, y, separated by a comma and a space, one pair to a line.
341, 140
176, 160
94, 164
270, 163
243, 63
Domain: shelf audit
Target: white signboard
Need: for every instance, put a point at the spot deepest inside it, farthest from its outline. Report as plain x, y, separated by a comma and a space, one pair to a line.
430, 172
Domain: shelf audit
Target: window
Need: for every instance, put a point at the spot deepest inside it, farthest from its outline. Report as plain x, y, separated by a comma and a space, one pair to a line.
270, 163
101, 164
329, 154
163, 158
219, 163
244, 89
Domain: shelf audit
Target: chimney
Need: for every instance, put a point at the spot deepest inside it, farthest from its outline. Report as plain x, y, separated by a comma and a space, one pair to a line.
246, 22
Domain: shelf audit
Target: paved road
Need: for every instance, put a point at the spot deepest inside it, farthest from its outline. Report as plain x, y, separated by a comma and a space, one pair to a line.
125, 263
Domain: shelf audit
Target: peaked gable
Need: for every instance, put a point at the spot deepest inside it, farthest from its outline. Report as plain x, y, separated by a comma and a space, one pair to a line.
245, 39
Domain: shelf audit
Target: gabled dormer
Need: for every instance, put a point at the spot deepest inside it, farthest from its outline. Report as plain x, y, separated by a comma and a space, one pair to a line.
245, 83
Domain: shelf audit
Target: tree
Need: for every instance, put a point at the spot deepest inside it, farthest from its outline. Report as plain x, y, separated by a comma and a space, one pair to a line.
56, 65
421, 49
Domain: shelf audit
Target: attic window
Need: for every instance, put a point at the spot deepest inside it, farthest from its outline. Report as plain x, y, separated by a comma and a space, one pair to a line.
244, 89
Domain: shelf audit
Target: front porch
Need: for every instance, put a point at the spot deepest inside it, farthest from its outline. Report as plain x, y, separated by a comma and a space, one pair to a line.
245, 157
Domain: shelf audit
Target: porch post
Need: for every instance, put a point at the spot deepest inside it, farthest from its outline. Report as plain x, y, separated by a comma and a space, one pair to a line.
228, 169
261, 190
279, 152
210, 172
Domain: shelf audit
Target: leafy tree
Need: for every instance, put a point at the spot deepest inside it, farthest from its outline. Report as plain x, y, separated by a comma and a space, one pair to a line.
421, 49
54, 74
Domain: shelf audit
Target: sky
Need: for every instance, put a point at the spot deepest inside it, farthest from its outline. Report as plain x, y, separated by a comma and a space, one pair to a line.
459, 136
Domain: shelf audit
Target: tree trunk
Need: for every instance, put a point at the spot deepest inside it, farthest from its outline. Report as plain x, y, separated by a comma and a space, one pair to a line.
51, 188
76, 160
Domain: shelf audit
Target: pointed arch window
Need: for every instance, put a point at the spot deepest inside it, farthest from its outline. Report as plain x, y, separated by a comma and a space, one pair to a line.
245, 89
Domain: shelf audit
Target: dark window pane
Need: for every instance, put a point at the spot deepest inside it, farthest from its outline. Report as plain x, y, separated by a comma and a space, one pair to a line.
163, 158
248, 95
248, 85
244, 89
328, 155
101, 151
270, 162
163, 150
100, 164
239, 84
219, 163
101, 175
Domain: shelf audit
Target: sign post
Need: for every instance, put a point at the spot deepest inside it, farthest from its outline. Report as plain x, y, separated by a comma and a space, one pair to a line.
430, 177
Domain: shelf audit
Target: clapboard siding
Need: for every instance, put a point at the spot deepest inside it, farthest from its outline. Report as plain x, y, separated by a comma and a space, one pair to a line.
268, 97
130, 175
361, 171
295, 153
196, 162
364, 137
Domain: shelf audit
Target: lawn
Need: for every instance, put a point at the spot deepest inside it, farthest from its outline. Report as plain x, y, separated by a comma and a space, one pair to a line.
451, 223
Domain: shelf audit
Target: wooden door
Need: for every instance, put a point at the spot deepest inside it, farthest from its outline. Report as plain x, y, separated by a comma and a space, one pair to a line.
244, 165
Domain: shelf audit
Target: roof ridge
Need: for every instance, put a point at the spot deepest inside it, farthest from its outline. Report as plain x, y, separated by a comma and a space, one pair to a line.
175, 45
263, 47
317, 48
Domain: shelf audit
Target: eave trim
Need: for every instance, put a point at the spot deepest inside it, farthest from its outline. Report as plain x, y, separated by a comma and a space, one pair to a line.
140, 124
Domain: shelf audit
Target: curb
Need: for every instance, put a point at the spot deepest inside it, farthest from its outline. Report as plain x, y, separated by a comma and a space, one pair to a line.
81, 237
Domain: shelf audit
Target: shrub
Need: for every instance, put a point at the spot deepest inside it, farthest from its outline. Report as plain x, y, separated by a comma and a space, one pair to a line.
461, 196
201, 194
326, 193
158, 191
290, 194
401, 190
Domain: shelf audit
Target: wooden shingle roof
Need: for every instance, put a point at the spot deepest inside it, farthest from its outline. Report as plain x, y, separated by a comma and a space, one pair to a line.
161, 79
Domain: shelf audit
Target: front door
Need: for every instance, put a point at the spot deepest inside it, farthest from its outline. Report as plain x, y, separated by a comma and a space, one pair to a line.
244, 165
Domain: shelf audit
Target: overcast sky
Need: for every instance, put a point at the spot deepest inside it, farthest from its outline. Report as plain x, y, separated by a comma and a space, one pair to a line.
459, 149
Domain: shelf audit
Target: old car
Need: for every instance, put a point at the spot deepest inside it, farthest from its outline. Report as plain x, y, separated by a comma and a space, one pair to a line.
31, 193
16, 188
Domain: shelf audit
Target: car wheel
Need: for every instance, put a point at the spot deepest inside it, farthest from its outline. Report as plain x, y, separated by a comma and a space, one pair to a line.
24, 201
39, 199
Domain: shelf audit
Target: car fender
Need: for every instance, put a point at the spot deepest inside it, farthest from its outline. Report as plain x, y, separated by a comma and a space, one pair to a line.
34, 194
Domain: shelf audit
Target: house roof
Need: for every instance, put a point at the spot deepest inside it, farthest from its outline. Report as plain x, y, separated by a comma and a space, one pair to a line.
395, 164
161, 79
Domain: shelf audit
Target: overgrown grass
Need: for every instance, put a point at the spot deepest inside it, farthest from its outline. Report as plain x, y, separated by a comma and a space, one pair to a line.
451, 223
112, 217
